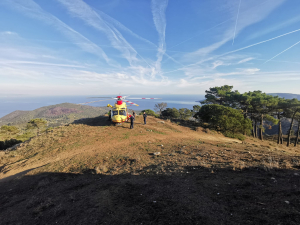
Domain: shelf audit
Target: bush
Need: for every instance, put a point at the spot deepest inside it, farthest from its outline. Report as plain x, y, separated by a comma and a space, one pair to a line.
232, 135
149, 112
185, 113
224, 118
25, 136
170, 113
8, 143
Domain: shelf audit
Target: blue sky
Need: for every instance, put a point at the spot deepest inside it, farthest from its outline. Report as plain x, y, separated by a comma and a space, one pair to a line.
75, 47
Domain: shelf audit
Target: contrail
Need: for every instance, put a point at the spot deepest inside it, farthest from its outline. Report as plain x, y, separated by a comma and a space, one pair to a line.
237, 16
227, 53
199, 33
258, 43
282, 52
215, 26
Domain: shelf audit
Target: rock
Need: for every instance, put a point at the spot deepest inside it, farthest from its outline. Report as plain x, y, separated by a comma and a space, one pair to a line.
156, 153
100, 169
287, 202
198, 128
104, 169
183, 152
161, 122
97, 170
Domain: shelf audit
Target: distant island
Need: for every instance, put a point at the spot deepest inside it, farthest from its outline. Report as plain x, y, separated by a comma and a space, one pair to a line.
286, 95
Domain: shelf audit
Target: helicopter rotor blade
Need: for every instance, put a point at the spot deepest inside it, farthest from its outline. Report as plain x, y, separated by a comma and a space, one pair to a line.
143, 98
131, 103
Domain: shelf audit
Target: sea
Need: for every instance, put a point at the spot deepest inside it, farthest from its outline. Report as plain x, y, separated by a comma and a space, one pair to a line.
9, 104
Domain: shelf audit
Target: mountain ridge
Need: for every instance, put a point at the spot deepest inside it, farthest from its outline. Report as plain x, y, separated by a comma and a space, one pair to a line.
55, 114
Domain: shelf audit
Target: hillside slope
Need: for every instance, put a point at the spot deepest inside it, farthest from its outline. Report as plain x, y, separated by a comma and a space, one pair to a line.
56, 114
95, 173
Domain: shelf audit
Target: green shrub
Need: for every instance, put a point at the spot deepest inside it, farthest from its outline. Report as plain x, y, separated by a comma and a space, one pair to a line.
25, 136
236, 135
149, 112
224, 118
170, 113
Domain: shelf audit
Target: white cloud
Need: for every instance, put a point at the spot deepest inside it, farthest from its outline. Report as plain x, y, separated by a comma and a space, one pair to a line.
12, 62
249, 70
8, 33
245, 60
217, 63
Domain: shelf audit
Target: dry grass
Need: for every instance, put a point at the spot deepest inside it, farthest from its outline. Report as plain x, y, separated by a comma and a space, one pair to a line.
117, 150
84, 174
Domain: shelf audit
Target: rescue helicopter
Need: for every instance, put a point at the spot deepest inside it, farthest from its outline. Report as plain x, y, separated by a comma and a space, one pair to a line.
119, 112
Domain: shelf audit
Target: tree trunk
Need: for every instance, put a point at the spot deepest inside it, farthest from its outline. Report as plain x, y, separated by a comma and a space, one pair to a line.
291, 127
279, 139
255, 123
297, 138
253, 127
261, 127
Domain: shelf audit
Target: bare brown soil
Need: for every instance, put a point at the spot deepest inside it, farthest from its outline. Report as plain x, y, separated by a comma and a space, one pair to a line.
159, 173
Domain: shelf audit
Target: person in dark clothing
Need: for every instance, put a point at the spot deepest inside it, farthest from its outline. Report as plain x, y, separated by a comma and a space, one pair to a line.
145, 116
133, 113
109, 115
131, 122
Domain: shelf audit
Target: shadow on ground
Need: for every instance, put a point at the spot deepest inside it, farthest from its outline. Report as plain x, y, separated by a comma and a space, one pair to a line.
195, 196
96, 121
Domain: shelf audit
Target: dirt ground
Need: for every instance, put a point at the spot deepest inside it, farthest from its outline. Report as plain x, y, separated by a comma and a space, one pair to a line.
159, 173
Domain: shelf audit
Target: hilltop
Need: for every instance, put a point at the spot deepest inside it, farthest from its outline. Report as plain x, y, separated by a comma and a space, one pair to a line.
162, 173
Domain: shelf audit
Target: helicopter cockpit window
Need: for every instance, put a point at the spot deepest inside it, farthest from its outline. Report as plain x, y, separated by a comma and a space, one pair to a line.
115, 112
122, 112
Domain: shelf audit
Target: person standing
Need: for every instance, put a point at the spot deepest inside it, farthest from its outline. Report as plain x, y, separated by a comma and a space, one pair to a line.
109, 115
131, 122
133, 113
145, 117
